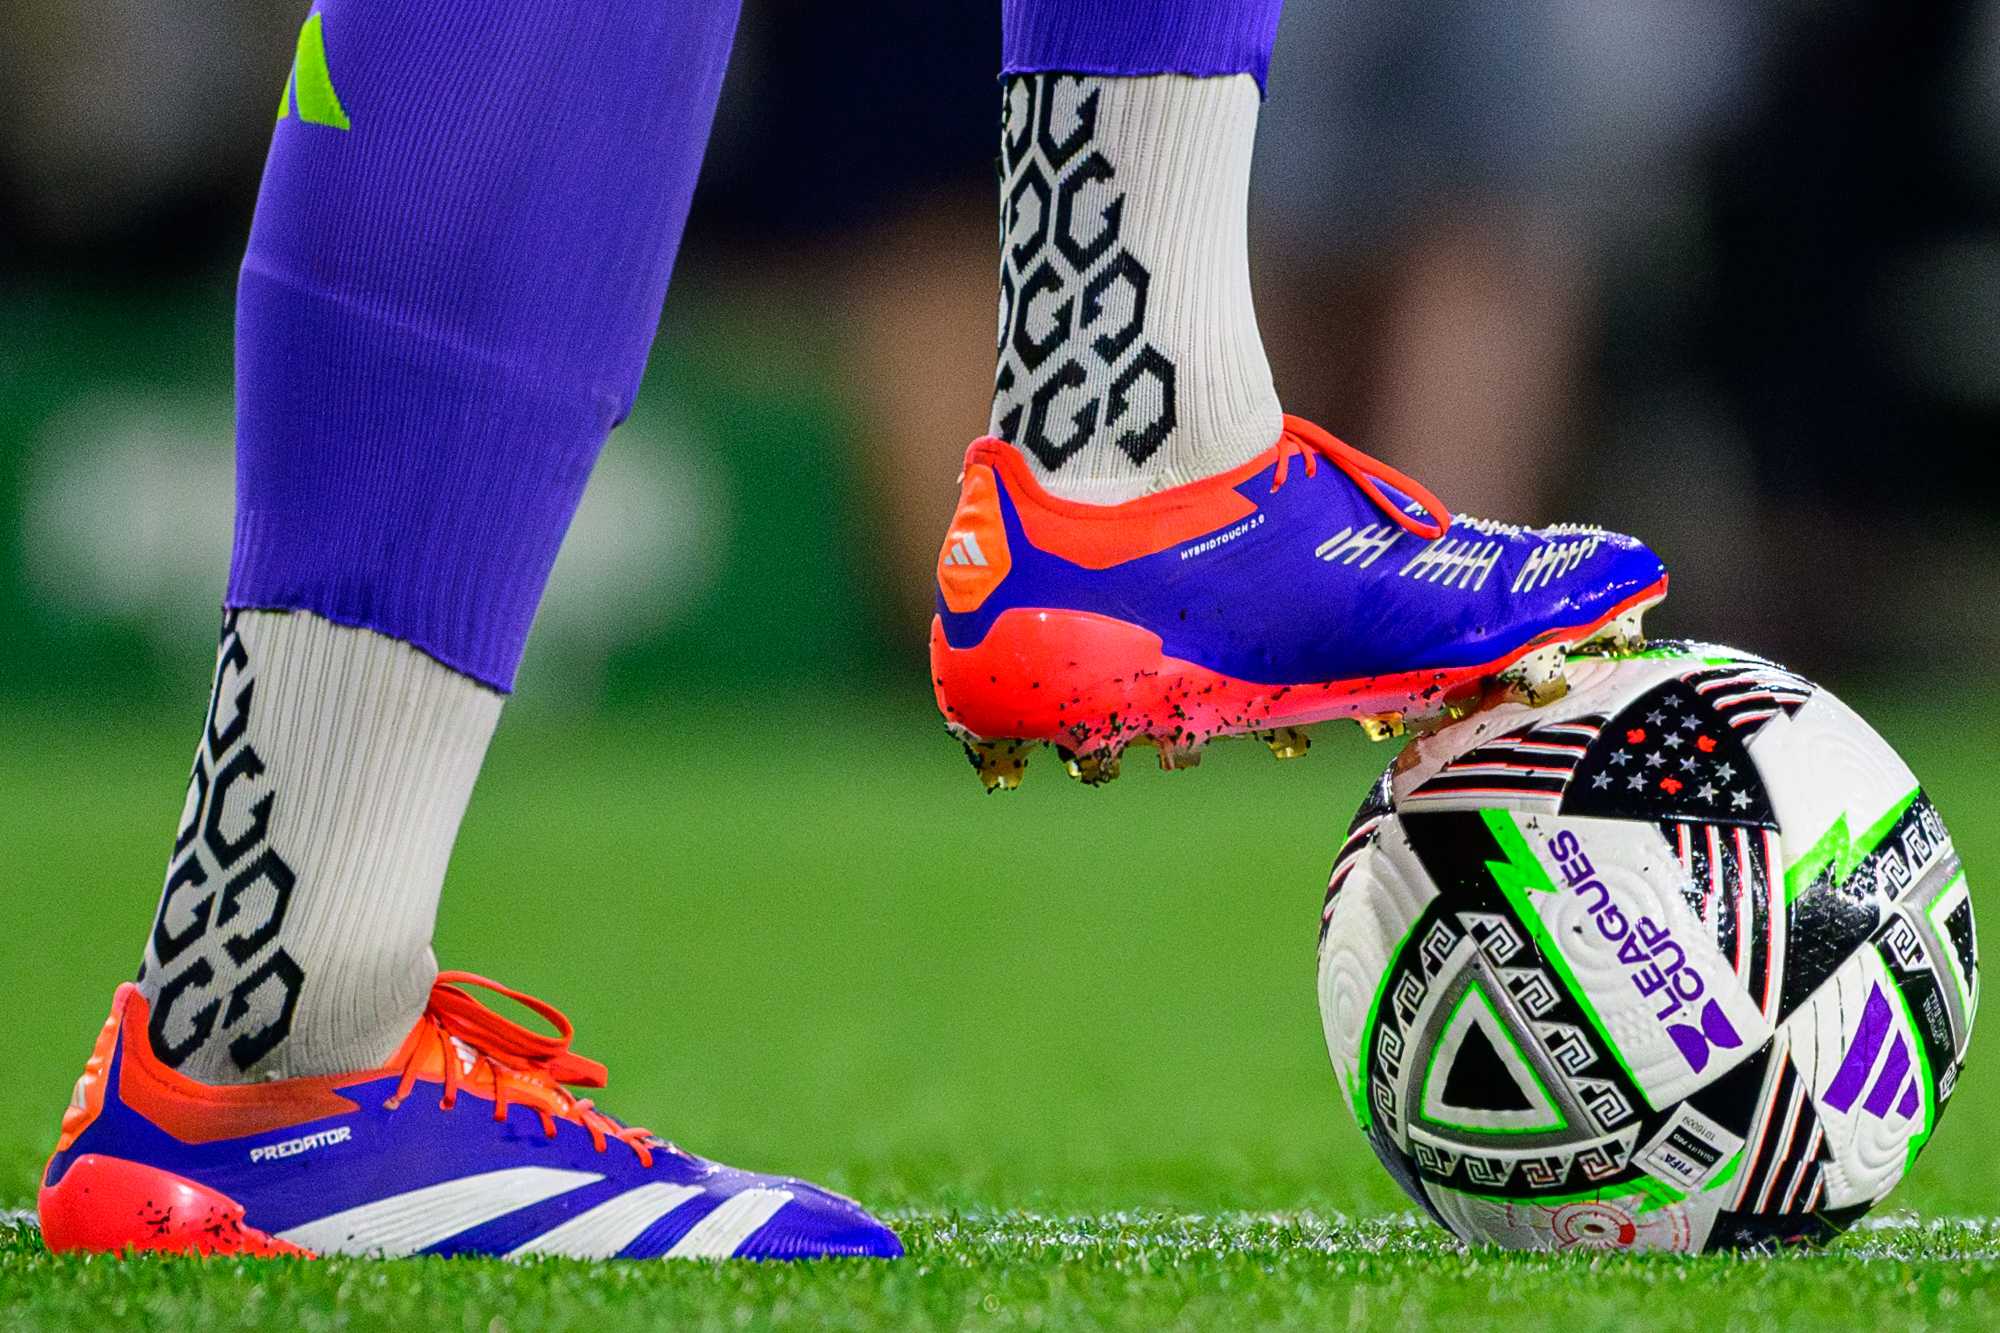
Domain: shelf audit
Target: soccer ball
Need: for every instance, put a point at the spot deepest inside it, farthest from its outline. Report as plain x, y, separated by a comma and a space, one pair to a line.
1683, 961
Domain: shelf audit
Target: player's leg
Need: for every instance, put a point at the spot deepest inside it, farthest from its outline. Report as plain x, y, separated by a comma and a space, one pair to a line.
464, 235
1146, 548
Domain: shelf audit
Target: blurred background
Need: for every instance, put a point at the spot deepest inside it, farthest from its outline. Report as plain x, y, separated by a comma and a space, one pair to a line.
1725, 273
1722, 272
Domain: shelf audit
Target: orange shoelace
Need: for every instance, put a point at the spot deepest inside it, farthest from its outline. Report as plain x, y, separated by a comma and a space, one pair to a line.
460, 1024
1313, 443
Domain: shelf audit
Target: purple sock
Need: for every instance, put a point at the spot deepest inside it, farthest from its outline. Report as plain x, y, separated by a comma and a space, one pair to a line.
1199, 37
465, 231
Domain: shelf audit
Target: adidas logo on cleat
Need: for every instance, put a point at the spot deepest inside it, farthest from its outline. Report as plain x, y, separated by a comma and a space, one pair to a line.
965, 551
974, 559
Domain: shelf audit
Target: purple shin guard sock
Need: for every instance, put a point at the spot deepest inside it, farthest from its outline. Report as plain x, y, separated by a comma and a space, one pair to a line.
1205, 38
465, 232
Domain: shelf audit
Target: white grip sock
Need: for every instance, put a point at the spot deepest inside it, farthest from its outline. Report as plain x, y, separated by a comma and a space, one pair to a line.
1129, 354
294, 932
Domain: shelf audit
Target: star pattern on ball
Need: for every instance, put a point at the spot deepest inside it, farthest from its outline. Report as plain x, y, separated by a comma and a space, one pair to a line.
1669, 754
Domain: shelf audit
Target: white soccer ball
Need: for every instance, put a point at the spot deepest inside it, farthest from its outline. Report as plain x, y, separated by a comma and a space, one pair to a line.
1683, 961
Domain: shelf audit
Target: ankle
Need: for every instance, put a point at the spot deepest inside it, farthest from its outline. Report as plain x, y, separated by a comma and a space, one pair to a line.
293, 934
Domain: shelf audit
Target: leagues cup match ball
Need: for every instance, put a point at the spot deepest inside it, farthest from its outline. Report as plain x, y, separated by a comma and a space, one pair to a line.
1683, 961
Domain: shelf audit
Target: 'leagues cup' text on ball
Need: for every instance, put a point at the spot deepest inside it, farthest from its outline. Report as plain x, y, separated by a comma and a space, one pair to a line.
1683, 961
1659, 966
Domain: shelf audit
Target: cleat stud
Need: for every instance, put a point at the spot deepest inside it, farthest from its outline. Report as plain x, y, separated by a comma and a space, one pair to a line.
1625, 634
1382, 726
1094, 768
1173, 758
1536, 694
1287, 742
1541, 696
999, 764
1537, 679
1430, 724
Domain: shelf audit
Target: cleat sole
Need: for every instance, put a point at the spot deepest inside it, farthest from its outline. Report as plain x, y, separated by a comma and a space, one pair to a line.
1092, 686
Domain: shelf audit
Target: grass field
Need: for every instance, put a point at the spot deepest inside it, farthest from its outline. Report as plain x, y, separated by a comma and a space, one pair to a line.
1066, 1039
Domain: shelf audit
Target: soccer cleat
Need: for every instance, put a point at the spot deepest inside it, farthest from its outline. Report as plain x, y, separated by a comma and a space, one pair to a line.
465, 1142
1262, 601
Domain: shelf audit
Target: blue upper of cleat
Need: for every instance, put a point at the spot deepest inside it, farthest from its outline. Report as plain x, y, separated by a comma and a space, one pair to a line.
1285, 571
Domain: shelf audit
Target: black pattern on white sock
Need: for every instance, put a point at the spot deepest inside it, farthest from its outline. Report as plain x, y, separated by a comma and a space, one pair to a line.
1074, 362
213, 966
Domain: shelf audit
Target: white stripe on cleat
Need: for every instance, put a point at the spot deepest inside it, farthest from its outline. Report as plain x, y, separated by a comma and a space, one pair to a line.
735, 1220
601, 1232
405, 1223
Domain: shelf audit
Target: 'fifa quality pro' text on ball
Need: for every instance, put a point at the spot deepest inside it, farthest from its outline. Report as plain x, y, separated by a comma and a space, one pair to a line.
1683, 961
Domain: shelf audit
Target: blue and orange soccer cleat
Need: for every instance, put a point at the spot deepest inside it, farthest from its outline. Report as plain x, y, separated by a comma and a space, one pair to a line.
1260, 601
464, 1143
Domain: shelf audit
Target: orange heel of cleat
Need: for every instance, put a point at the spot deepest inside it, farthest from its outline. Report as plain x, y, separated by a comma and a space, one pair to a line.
112, 1206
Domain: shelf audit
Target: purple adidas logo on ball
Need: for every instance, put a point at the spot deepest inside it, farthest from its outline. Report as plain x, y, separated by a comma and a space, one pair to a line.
1894, 1076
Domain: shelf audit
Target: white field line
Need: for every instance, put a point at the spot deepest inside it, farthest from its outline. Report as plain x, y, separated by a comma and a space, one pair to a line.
1899, 1235
1889, 1235
1187, 1233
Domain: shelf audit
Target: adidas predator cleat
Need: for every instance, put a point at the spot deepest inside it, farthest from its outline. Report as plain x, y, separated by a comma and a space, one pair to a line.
1261, 601
464, 1143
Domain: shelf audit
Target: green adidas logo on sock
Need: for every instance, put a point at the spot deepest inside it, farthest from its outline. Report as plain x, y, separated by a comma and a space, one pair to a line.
310, 84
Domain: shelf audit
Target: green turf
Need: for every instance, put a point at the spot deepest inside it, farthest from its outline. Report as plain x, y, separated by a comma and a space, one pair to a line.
1068, 1038
1014, 1271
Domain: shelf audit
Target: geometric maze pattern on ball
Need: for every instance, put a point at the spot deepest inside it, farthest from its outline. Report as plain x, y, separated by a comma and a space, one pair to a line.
1682, 961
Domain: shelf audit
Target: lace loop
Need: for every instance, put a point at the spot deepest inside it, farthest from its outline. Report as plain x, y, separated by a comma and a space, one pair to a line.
470, 1038
1313, 443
